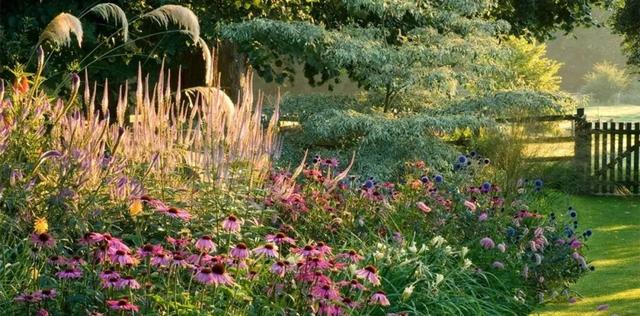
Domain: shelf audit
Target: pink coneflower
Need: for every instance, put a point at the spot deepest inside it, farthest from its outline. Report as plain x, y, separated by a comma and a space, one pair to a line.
470, 205
122, 304
280, 268
123, 258
205, 244
487, 243
215, 275
69, 273
149, 250
353, 284
42, 312
76, 260
315, 263
177, 213
43, 240
110, 282
108, 274
379, 297
179, 260
324, 291
483, 217
90, 238
46, 294
423, 207
323, 248
231, 224
268, 250
57, 260
199, 258
351, 255
575, 244
240, 251
27, 298
160, 259
128, 281
369, 273
178, 242
306, 251
280, 238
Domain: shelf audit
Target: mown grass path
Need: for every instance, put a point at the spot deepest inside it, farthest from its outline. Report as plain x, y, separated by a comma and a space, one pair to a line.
614, 250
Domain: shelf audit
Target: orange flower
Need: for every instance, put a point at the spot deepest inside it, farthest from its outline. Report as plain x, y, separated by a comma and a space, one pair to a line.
416, 184
21, 85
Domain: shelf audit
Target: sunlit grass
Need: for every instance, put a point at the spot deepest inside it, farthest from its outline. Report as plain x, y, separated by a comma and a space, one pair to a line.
615, 252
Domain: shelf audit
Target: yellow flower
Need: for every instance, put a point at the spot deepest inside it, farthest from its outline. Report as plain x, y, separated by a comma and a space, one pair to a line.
40, 225
135, 208
34, 273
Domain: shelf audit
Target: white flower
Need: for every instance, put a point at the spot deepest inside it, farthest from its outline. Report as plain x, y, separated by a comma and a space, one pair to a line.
407, 292
464, 251
437, 241
439, 278
378, 255
467, 263
413, 248
448, 250
423, 248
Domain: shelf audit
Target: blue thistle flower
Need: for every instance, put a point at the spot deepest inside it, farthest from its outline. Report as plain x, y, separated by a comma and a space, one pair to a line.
538, 183
439, 178
588, 233
486, 186
473, 153
511, 231
424, 179
462, 159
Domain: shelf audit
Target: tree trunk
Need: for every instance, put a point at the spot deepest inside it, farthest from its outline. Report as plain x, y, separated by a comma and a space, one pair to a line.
232, 66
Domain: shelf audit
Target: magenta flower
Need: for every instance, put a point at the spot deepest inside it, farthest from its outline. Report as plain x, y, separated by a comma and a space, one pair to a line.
128, 281
279, 268
240, 251
57, 260
149, 250
324, 291
205, 244
483, 217
470, 205
423, 207
215, 275
179, 260
76, 260
46, 294
178, 242
110, 282
323, 248
42, 312
27, 298
69, 273
369, 273
176, 213
231, 224
199, 258
43, 240
280, 238
268, 250
160, 259
353, 284
379, 298
487, 243
351, 255
108, 274
123, 258
315, 263
575, 244
307, 251
122, 304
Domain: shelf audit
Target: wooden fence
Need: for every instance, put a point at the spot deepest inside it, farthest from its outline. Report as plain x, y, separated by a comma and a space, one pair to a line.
606, 154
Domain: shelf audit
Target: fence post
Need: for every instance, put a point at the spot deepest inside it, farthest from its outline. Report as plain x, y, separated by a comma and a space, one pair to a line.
582, 149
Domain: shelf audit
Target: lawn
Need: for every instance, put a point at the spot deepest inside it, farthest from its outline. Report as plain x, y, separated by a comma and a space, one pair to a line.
618, 113
615, 252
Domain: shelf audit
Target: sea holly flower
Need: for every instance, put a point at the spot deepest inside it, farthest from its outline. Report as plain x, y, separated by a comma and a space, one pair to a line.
122, 304
369, 273
379, 298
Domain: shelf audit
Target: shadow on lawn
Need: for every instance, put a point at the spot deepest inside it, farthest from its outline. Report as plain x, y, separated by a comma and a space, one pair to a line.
614, 250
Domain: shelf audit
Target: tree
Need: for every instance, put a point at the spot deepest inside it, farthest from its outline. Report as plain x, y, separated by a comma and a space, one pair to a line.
605, 82
626, 21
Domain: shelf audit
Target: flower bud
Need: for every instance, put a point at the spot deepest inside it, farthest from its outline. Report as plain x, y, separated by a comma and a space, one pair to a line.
75, 82
40, 56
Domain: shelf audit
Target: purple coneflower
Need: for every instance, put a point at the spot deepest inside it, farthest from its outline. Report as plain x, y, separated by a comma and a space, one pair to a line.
178, 242
76, 260
122, 304
354, 284
160, 259
379, 297
69, 273
57, 260
108, 274
280, 268
110, 282
231, 224
42, 312
325, 291
128, 281
280, 238
306, 251
177, 213
268, 250
199, 258
352, 256
46, 294
369, 273
205, 244
27, 298
149, 250
179, 260
215, 275
123, 258
240, 251
487, 243
43, 240
323, 248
